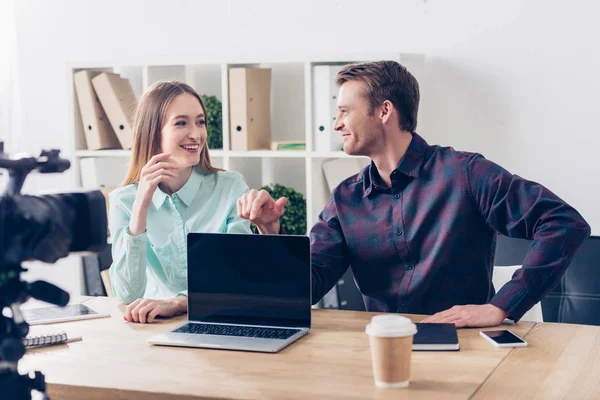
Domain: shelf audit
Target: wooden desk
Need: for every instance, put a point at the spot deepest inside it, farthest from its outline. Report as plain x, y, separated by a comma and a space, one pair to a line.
562, 361
333, 361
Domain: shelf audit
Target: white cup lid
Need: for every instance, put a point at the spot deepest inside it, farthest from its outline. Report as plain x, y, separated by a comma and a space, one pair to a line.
390, 325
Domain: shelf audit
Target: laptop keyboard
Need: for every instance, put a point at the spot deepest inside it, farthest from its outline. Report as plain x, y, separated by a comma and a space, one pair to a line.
233, 330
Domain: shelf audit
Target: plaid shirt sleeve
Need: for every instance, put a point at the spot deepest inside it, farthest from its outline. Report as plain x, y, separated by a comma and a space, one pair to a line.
329, 252
520, 208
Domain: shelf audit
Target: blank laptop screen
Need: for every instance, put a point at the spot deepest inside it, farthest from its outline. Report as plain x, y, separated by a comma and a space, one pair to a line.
249, 279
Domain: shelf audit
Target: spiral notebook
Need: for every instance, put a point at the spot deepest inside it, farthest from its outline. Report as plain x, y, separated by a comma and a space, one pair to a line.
47, 336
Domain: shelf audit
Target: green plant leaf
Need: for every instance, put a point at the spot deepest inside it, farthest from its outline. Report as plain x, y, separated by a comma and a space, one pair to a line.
294, 218
214, 121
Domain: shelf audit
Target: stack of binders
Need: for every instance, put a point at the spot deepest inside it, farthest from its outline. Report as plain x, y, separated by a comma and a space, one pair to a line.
106, 102
119, 103
99, 134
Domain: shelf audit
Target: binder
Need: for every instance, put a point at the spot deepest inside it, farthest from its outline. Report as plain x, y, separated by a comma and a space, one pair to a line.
119, 102
338, 170
106, 190
98, 172
250, 108
107, 283
99, 134
325, 93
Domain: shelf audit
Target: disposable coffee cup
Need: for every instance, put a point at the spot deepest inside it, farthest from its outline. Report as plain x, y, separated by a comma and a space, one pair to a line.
391, 339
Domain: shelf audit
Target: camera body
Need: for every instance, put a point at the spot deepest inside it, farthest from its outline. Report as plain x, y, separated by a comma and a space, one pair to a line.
44, 228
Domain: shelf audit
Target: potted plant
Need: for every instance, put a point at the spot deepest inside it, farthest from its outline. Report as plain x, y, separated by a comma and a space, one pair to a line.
214, 121
294, 218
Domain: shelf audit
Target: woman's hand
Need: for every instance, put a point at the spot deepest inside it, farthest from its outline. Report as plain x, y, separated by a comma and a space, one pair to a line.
156, 171
146, 310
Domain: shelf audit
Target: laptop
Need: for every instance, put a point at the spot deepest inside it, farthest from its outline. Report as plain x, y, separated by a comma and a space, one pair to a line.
245, 292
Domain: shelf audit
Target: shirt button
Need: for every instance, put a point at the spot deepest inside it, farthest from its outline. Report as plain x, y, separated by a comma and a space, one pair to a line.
397, 195
410, 267
399, 232
403, 304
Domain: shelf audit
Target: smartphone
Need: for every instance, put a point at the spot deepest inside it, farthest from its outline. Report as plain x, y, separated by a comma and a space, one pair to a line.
503, 338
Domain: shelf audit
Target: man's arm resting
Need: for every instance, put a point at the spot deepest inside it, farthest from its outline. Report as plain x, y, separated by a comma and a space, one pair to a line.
519, 208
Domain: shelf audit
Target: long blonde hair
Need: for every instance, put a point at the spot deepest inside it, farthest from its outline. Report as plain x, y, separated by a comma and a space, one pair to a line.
148, 121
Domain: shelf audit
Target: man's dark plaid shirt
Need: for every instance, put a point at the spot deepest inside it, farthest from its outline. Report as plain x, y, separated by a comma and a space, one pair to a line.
427, 242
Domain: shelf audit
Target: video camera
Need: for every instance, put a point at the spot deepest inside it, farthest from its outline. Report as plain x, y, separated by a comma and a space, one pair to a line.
44, 228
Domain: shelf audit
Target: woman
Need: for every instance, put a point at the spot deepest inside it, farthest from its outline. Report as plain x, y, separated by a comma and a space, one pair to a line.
171, 189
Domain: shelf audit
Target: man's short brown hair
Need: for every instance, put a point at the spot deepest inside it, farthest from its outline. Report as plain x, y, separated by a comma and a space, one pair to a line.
386, 80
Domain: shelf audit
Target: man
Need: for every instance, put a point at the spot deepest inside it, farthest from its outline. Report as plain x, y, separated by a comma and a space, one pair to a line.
418, 225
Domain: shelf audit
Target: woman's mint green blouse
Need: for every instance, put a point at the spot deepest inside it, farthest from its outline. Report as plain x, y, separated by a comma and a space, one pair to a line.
154, 264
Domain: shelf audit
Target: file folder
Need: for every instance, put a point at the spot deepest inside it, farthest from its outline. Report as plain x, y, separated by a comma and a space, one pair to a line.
250, 108
98, 172
119, 102
337, 170
106, 191
325, 92
99, 134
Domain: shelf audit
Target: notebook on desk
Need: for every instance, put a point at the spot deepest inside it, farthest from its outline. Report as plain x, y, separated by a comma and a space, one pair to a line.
436, 337
245, 292
40, 336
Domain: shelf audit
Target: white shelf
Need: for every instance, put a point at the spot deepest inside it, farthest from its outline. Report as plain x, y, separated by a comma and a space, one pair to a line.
102, 153
330, 154
268, 154
123, 153
216, 153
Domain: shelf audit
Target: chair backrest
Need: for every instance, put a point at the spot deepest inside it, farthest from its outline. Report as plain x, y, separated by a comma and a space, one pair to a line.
503, 274
576, 297
349, 297
95, 269
510, 253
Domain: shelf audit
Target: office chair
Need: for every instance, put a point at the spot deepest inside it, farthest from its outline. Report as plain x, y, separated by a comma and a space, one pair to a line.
95, 269
576, 297
344, 295
349, 297
510, 253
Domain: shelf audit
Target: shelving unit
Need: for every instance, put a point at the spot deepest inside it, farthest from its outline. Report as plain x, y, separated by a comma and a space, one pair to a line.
291, 118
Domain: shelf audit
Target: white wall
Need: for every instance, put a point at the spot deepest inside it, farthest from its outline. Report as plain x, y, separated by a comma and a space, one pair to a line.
513, 79
518, 81
9, 78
